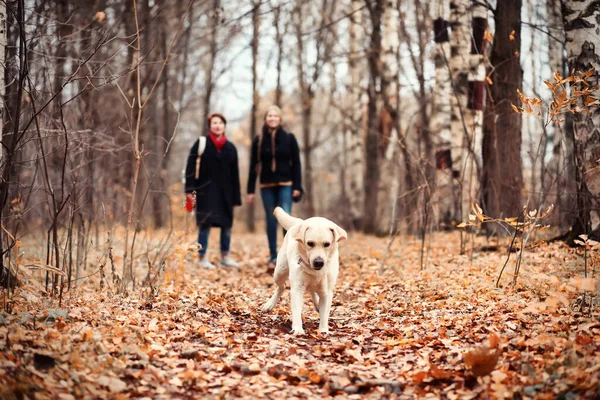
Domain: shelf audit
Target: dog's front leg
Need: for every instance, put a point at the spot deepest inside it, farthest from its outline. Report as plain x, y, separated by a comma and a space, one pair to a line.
325, 300
296, 297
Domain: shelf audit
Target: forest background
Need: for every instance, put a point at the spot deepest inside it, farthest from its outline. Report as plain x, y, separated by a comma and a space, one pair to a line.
413, 117
407, 112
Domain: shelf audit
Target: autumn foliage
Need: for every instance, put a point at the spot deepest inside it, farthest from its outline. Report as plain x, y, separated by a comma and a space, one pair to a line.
445, 331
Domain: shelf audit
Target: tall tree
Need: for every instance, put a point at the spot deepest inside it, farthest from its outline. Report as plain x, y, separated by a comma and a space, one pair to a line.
353, 178
281, 28
389, 131
581, 26
460, 119
371, 182
3, 45
440, 114
425, 174
476, 96
214, 19
502, 177
250, 216
310, 73
561, 183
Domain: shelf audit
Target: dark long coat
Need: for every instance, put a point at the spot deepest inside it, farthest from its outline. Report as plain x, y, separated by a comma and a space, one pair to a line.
218, 185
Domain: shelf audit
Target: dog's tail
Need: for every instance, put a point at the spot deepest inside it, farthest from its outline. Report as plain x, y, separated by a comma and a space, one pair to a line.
285, 219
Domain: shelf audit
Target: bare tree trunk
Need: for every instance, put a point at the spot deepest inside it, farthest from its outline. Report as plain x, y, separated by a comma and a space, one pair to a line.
389, 134
440, 116
306, 97
476, 99
371, 182
562, 189
163, 132
214, 18
279, 38
4, 271
460, 119
502, 180
250, 221
423, 175
580, 21
355, 153
308, 77
426, 167
186, 53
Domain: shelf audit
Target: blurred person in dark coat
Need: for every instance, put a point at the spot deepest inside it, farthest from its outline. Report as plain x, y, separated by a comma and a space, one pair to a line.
214, 178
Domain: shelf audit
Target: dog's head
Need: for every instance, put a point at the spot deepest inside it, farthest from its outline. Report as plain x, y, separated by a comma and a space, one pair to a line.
318, 238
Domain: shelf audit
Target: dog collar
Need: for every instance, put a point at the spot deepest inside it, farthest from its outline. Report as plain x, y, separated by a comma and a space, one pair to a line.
301, 261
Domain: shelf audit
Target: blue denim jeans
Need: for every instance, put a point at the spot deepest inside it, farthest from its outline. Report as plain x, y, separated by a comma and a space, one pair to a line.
203, 239
272, 197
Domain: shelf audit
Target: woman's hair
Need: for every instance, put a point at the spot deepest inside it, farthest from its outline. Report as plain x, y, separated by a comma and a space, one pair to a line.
277, 110
218, 115
261, 137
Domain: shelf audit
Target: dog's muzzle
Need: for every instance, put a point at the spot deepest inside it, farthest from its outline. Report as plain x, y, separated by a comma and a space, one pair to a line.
318, 263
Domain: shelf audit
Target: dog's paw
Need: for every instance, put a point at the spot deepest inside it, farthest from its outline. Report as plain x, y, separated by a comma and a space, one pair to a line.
323, 330
297, 331
268, 306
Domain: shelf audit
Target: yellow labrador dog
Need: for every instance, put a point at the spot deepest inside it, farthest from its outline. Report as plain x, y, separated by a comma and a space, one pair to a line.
309, 258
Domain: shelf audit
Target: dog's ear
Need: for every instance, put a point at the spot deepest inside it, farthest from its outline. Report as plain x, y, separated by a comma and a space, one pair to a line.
338, 233
298, 232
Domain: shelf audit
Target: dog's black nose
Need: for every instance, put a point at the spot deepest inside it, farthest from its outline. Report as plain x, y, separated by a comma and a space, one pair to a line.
318, 263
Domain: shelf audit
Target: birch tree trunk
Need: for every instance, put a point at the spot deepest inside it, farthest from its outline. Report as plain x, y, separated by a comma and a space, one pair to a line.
581, 26
561, 190
502, 177
476, 99
426, 150
440, 117
355, 176
460, 119
390, 46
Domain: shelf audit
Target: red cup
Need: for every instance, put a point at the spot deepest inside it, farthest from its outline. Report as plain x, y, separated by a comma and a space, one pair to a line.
189, 204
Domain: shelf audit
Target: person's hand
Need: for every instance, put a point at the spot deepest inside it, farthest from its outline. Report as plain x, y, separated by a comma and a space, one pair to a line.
296, 193
251, 198
189, 196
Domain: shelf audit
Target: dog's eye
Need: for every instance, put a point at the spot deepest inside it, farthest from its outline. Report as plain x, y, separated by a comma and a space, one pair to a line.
326, 244
310, 244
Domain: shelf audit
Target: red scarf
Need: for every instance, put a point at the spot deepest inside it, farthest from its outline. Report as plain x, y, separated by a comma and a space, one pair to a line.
219, 142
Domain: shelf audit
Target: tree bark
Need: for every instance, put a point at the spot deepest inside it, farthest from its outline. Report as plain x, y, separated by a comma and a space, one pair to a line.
250, 216
372, 156
308, 78
460, 119
279, 38
440, 117
214, 18
355, 165
4, 271
502, 180
581, 26
560, 187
